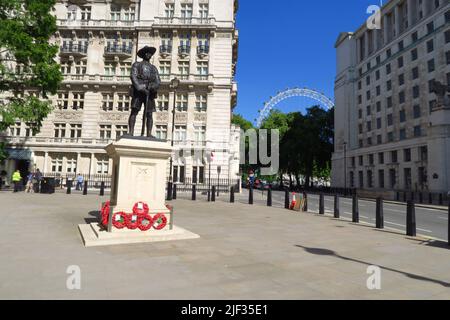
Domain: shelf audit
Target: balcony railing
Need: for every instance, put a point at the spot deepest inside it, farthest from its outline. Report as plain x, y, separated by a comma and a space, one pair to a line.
203, 49
95, 23
187, 77
184, 20
165, 49
74, 48
53, 140
184, 49
119, 49
95, 78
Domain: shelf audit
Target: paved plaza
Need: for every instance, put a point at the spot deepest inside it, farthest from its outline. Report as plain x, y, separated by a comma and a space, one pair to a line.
244, 252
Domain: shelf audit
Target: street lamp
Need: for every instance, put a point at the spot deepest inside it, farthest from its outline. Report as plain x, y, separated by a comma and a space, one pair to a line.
345, 168
174, 84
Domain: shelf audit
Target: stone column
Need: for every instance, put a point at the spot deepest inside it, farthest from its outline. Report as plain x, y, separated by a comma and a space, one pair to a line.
44, 169
91, 164
78, 162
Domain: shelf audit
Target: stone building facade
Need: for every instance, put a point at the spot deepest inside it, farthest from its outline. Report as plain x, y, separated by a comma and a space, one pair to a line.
390, 133
196, 42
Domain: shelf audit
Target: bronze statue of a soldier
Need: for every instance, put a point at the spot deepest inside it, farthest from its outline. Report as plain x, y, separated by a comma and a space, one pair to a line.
146, 81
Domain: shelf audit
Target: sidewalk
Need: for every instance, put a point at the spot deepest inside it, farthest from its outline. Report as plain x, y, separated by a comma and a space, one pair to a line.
244, 253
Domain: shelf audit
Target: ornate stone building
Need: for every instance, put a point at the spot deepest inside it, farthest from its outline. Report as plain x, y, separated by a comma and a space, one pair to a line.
197, 43
390, 132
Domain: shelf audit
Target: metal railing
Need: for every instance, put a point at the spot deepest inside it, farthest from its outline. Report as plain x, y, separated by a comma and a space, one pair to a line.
165, 49
74, 48
203, 49
183, 49
222, 185
119, 49
94, 180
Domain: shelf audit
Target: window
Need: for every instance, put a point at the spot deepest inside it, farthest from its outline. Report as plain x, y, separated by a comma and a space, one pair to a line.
415, 73
447, 36
199, 133
379, 139
392, 178
125, 70
378, 106
164, 69
59, 130
430, 46
201, 103
115, 12
63, 100
359, 85
161, 132
169, 10
417, 112
417, 131
361, 179
371, 159
368, 95
129, 14
369, 179
388, 53
202, 69
78, 100
121, 130
416, 92
401, 97
361, 160
369, 110
400, 62
389, 102
402, 116
402, 135
105, 131
80, 67
377, 75
415, 37
390, 136
179, 173
401, 79
163, 102
85, 13
182, 102
123, 102
424, 153
388, 68
203, 10
390, 120
430, 27
109, 69
369, 126
407, 173
389, 85
14, 129
368, 80
102, 166
75, 130
66, 67
414, 55
186, 11
378, 90
180, 133
71, 165
381, 178
107, 102
57, 164
183, 69
407, 155
369, 141
198, 174
360, 114
379, 123
431, 66
381, 158
360, 126
394, 157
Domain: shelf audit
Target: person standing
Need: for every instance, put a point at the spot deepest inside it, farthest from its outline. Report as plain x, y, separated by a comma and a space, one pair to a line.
16, 178
79, 182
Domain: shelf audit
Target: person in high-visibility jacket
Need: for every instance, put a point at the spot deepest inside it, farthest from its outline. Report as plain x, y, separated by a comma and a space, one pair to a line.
16, 178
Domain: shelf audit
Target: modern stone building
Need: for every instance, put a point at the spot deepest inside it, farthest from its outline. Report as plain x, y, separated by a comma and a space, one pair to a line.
197, 43
390, 132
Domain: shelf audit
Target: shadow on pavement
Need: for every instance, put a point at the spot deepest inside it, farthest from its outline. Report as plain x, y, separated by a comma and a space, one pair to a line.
326, 252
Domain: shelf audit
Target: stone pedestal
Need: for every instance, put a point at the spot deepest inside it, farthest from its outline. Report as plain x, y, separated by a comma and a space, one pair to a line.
139, 174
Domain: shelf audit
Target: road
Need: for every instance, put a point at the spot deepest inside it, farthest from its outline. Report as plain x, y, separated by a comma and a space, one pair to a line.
430, 222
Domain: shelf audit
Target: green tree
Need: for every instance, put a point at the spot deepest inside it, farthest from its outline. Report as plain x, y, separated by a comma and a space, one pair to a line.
240, 121
27, 62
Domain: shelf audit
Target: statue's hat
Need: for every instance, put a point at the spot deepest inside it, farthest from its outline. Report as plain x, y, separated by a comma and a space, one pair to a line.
141, 53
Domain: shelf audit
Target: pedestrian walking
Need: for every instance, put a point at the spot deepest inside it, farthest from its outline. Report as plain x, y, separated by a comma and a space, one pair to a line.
29, 185
80, 180
16, 179
37, 180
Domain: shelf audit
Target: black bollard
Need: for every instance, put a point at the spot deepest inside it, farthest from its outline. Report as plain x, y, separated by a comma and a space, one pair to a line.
410, 219
250, 195
286, 199
398, 196
305, 199
420, 197
413, 196
336, 206
69, 186
321, 204
194, 192
85, 188
169, 191
1, 183
232, 195
102, 188
269, 197
448, 223
441, 199
404, 197
213, 194
379, 214
430, 198
355, 209
174, 197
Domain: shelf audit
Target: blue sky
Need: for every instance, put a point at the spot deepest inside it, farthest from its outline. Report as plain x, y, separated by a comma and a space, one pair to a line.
290, 43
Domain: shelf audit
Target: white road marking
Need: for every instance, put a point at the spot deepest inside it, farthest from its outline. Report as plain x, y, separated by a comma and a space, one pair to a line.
395, 224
